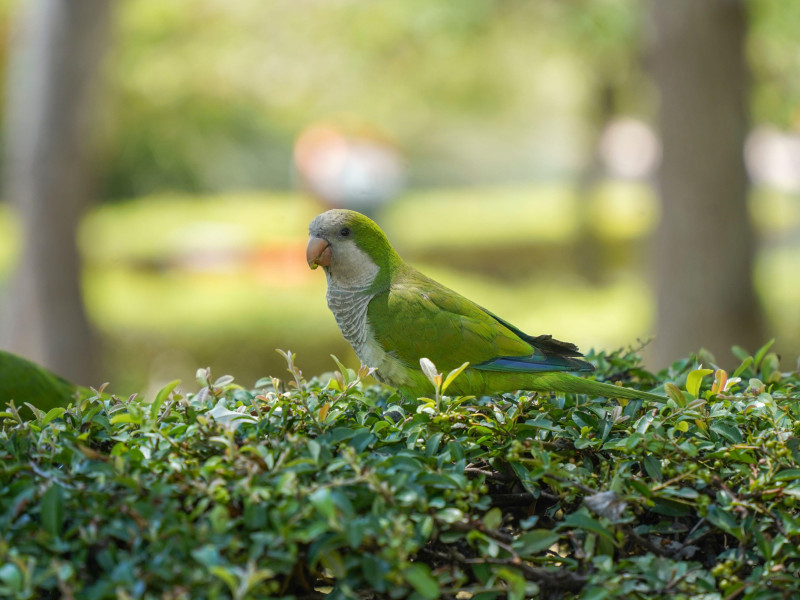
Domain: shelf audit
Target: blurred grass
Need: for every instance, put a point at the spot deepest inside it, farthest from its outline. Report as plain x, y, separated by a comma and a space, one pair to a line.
162, 226
513, 215
177, 282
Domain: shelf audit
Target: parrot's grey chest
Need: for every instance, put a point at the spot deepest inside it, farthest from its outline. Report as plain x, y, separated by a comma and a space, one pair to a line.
350, 310
349, 293
349, 307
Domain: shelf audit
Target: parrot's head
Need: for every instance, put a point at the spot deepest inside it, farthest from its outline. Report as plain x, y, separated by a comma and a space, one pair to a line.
350, 247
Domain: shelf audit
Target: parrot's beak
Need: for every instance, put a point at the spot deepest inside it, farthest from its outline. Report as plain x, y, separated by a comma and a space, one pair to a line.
318, 253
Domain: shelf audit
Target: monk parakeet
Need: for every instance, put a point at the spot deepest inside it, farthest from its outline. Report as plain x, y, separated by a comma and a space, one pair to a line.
24, 381
393, 316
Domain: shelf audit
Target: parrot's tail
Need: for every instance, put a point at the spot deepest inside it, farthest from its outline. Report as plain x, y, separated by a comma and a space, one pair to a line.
564, 382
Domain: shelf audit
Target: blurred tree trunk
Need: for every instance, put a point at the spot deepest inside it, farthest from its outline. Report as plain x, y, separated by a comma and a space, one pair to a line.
56, 55
705, 244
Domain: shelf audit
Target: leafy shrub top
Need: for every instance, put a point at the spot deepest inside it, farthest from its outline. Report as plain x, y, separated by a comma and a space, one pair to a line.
305, 488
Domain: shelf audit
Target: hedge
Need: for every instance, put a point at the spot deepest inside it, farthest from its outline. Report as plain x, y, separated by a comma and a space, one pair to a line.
328, 487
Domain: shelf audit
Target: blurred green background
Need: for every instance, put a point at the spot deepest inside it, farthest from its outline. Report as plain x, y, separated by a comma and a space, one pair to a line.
517, 193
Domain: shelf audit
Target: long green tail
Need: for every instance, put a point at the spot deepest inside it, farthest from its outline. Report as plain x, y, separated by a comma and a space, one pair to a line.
564, 382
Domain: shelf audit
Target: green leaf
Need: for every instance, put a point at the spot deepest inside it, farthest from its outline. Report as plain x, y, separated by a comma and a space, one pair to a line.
583, 418
727, 431
493, 519
452, 375
52, 510
420, 578
747, 362
223, 381
535, 541
653, 467
515, 582
724, 520
429, 370
53, 413
321, 500
643, 424
456, 450
450, 515
674, 392
37, 412
225, 575
207, 555
375, 571
791, 525
125, 418
161, 397
343, 370
583, 520
524, 476
633, 440
263, 382
594, 592
763, 545
432, 445
547, 424
684, 492
10, 575
787, 475
583, 442
694, 379
230, 419
770, 368
332, 559
759, 355
640, 487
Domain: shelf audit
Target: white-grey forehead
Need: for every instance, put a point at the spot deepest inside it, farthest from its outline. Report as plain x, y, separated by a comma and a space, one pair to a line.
326, 222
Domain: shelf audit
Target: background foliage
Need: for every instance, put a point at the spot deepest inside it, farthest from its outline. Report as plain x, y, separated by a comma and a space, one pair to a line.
301, 488
485, 91
496, 106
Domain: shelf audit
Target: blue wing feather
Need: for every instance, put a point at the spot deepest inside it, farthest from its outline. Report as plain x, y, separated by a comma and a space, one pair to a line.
533, 363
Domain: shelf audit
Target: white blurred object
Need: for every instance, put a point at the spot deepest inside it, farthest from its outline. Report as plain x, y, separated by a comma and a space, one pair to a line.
773, 158
629, 148
348, 170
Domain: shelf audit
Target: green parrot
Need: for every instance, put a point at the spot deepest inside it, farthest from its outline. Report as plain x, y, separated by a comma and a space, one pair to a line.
24, 381
393, 316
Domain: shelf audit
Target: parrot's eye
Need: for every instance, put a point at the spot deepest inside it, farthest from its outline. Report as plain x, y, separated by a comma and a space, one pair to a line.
344, 232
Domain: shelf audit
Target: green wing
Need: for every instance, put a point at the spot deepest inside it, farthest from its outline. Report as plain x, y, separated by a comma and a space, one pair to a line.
418, 317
